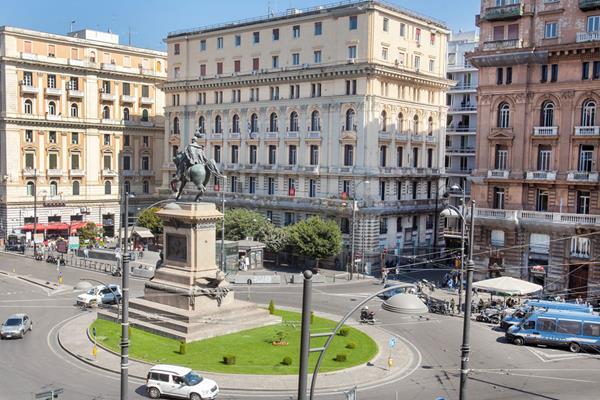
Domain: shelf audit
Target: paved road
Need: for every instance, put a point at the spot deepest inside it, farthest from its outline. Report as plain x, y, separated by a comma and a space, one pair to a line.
501, 370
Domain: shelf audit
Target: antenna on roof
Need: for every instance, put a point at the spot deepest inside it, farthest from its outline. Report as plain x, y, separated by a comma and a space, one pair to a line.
71, 25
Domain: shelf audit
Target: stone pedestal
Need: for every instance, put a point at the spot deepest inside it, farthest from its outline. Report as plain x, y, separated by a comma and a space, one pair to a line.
188, 298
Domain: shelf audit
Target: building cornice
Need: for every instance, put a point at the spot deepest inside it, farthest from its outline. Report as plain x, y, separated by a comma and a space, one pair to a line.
78, 125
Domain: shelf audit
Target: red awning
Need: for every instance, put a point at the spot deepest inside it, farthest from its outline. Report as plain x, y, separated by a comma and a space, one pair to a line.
38, 228
57, 226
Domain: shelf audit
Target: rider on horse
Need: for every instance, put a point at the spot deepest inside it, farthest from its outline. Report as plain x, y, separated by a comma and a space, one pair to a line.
193, 154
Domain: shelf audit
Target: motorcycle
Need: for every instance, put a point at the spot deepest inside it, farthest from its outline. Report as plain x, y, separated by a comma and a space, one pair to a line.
439, 308
490, 316
38, 257
51, 259
367, 317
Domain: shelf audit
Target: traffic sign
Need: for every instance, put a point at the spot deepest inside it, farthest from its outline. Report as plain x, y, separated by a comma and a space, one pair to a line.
392, 342
94, 331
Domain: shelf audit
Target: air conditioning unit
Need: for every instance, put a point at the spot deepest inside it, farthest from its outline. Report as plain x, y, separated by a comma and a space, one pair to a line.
351, 61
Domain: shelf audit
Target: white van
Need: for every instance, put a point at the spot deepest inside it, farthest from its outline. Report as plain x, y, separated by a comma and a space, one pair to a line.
174, 381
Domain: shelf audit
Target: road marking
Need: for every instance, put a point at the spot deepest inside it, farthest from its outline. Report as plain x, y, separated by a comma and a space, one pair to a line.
547, 358
507, 372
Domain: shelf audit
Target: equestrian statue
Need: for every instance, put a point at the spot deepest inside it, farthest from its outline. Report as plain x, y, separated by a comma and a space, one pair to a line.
193, 166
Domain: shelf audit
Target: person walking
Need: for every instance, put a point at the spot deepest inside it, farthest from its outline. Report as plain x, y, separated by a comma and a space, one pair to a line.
452, 305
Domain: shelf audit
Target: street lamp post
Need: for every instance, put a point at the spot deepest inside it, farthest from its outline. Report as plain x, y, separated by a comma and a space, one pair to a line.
125, 307
34, 211
223, 224
354, 209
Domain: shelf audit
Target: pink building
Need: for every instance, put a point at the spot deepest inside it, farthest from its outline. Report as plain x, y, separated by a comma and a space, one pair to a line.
535, 181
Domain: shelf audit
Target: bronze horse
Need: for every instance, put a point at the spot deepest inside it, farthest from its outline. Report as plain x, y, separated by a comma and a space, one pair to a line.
199, 175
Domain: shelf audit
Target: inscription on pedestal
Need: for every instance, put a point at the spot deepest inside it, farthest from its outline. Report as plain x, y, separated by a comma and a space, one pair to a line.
205, 226
176, 248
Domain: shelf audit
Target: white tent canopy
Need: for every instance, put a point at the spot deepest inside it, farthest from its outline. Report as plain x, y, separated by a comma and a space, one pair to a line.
506, 284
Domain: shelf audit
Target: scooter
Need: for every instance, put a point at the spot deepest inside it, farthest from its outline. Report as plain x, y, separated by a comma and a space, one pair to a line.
490, 316
439, 308
38, 257
51, 259
367, 317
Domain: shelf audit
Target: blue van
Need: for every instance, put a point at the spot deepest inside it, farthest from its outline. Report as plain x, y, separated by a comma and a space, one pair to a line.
516, 317
556, 328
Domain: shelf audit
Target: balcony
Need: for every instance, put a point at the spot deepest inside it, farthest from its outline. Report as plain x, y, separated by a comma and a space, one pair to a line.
460, 150
587, 36
54, 92
463, 108
588, 5
581, 247
587, 130
76, 63
146, 100
430, 139
214, 136
541, 175
313, 135
54, 172
146, 172
385, 135
463, 87
503, 44
127, 99
28, 89
109, 173
558, 218
545, 130
271, 135
492, 213
508, 11
29, 172
107, 97
75, 94
498, 174
416, 138
53, 117
128, 172
461, 130
401, 136
576, 176
234, 135
77, 173
292, 135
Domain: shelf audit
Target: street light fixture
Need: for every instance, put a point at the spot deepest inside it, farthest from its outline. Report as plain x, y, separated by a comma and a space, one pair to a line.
354, 210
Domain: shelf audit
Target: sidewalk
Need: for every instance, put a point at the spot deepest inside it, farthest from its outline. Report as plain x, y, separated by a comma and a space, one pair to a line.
73, 338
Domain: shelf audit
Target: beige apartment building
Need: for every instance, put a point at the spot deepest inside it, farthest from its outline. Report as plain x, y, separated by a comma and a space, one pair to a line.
536, 175
70, 106
310, 109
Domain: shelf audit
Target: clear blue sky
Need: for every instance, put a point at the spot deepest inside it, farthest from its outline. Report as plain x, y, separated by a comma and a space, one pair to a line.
150, 20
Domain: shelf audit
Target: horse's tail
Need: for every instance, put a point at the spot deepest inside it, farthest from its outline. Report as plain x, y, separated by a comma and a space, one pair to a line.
214, 169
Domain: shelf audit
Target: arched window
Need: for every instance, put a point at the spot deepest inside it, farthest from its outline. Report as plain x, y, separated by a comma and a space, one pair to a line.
106, 112
294, 122
400, 122
127, 186
146, 187
158, 66
430, 126
107, 187
28, 107
503, 115
53, 188
588, 113
273, 126
201, 124
350, 126
547, 114
176, 126
145, 115
75, 188
416, 124
254, 123
315, 121
126, 114
92, 56
235, 124
51, 108
74, 110
30, 188
218, 127
384, 121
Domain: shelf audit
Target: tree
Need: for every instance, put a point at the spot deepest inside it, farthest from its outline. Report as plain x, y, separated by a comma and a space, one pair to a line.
241, 223
276, 239
149, 219
316, 238
89, 232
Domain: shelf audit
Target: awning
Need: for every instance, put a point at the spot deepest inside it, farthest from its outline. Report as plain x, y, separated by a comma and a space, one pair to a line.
508, 285
139, 231
29, 227
57, 226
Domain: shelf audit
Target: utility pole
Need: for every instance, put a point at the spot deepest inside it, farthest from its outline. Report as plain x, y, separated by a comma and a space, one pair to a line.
305, 335
466, 345
34, 211
223, 267
125, 307
354, 206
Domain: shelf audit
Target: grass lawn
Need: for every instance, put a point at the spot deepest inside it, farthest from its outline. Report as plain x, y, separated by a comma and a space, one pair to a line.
254, 351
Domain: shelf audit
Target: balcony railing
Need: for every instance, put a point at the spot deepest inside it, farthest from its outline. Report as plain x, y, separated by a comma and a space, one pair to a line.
146, 100
29, 172
508, 11
416, 138
75, 93
109, 172
588, 5
463, 107
587, 130
581, 247
54, 92
541, 175
503, 44
54, 172
107, 97
401, 136
498, 174
543, 217
146, 172
77, 173
292, 135
29, 89
127, 99
313, 135
385, 135
587, 36
463, 86
271, 135
467, 150
545, 130
492, 213
459, 129
584, 176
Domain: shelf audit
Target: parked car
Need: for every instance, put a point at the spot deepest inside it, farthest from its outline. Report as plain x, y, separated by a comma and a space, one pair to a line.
16, 326
174, 381
100, 294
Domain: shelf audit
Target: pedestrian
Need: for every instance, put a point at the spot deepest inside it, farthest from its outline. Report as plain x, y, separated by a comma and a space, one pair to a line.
397, 271
480, 306
86, 253
452, 305
384, 273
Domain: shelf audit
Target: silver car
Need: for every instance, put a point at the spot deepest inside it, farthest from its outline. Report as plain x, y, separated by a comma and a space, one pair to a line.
16, 326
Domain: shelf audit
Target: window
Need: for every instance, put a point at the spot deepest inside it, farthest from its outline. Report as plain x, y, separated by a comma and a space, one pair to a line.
501, 158
145, 91
52, 81
203, 45
219, 43
317, 56
235, 124
74, 160
588, 113
315, 121
75, 188
315, 90
272, 154
295, 58
29, 160
219, 68
52, 160
508, 75
254, 123
252, 185
383, 121
497, 238
28, 78
53, 188
106, 87
432, 39
386, 25
275, 61
202, 69
348, 155
145, 187
75, 111
503, 115
430, 126
318, 28
252, 154
235, 154
416, 124
29, 136
418, 35
30, 188
429, 158
415, 158
273, 126
275, 35
554, 73
384, 53
294, 122
400, 122
28, 107
353, 22
402, 29
591, 329
144, 115
107, 187
314, 154
127, 163
583, 202
498, 201
383, 226
351, 52
382, 156
345, 225
217, 153
351, 87
547, 114
551, 30
399, 156
51, 108
499, 76
176, 48
296, 31
201, 125
544, 157
586, 157
415, 189
585, 70
292, 154
256, 36
417, 63
106, 139
106, 112
52, 137
218, 124
126, 114
73, 83
271, 186
350, 125
255, 64
145, 163
541, 200
596, 70
237, 41
546, 325
237, 65
431, 65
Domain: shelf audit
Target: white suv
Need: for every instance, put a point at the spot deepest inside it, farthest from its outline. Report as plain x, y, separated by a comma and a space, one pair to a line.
100, 295
171, 380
